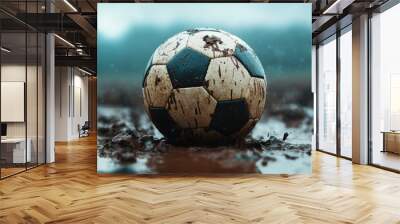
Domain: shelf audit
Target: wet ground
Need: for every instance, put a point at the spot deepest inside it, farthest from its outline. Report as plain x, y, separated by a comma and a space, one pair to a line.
129, 143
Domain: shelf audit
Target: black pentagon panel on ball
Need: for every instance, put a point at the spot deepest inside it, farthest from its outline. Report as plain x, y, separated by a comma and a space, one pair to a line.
146, 71
164, 123
230, 116
188, 68
250, 60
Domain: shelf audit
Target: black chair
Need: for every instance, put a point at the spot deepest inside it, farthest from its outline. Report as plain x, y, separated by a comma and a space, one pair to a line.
84, 130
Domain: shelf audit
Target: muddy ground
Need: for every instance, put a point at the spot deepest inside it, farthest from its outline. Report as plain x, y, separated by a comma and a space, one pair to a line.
129, 143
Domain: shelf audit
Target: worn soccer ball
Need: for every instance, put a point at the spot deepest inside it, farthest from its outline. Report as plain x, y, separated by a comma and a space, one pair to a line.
204, 86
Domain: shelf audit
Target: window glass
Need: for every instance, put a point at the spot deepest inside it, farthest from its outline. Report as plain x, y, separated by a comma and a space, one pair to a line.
346, 94
385, 89
327, 96
22, 90
14, 153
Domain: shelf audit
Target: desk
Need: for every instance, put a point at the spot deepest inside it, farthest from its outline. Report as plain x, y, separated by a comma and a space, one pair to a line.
391, 141
15, 148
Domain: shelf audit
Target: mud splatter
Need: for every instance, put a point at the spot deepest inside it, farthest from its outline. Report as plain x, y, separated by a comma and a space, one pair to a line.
157, 81
235, 62
212, 41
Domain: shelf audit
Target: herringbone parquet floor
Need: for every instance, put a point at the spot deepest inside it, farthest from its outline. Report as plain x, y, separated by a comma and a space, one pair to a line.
70, 191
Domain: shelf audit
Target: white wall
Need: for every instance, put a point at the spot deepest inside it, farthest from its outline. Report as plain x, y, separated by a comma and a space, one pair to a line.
71, 94
62, 82
80, 112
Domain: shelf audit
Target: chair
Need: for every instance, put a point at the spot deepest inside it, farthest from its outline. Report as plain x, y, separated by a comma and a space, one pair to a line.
84, 130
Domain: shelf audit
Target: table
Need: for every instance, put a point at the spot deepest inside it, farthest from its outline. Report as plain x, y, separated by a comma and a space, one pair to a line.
15, 148
391, 141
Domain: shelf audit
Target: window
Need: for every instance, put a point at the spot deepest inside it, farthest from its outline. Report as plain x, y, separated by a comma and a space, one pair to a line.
385, 89
346, 92
327, 96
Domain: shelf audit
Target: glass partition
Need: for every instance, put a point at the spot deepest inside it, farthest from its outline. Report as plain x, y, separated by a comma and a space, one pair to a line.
13, 108
32, 95
41, 107
23, 91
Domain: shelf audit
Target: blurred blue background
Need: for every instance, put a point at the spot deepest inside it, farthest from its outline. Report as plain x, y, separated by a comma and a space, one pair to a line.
128, 34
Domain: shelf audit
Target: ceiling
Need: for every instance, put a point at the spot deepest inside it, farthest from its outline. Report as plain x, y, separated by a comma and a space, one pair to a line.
75, 21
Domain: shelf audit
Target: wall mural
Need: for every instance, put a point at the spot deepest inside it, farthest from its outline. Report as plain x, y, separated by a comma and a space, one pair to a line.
204, 88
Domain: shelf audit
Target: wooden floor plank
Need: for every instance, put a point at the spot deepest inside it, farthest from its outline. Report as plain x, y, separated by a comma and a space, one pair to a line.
70, 191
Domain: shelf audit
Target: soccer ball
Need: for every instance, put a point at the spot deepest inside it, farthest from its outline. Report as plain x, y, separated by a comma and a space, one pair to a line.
204, 86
